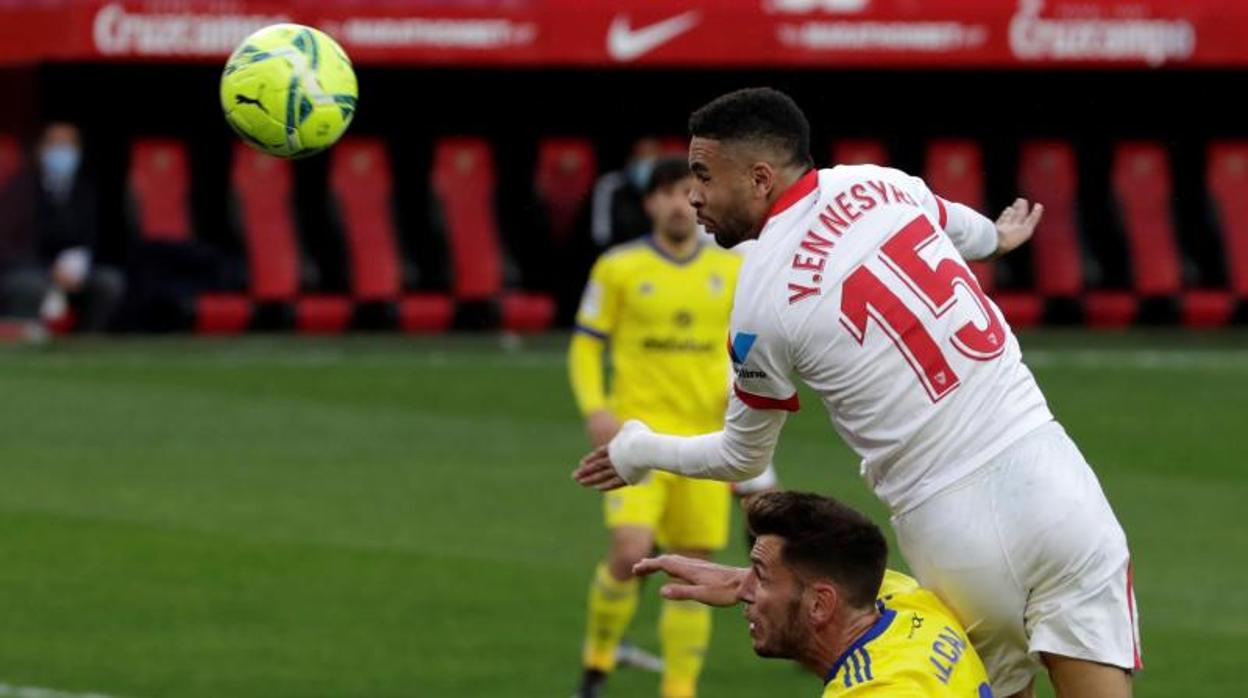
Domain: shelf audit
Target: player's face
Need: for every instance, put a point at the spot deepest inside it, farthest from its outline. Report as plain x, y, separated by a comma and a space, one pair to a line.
772, 595
670, 211
723, 192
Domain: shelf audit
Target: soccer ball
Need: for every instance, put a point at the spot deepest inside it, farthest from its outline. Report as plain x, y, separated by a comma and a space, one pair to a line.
289, 90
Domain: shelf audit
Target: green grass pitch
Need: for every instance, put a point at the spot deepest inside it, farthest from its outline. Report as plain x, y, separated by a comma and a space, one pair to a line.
384, 517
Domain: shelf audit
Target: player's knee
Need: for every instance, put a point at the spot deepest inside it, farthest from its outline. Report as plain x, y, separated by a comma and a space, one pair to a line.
628, 546
621, 565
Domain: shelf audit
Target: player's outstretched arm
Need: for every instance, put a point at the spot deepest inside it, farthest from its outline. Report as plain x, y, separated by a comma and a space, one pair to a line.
1016, 224
741, 451
695, 580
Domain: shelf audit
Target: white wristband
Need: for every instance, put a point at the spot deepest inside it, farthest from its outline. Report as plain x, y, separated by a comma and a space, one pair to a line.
629, 452
762, 483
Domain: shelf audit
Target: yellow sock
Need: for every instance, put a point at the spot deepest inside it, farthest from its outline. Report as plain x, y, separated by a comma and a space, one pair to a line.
611, 607
685, 631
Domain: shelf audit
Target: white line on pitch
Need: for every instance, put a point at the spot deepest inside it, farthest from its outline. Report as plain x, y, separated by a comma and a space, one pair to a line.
9, 691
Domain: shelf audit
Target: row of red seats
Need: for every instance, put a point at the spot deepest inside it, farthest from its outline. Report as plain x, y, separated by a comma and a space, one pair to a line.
463, 179
1142, 187
360, 180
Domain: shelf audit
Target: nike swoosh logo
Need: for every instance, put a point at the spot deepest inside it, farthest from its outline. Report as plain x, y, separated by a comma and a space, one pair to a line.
625, 43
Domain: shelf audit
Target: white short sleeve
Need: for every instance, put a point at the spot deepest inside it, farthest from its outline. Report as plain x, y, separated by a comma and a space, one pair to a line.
763, 370
972, 233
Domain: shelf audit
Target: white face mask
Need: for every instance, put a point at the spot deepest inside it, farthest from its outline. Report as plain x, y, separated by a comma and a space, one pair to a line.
639, 173
60, 162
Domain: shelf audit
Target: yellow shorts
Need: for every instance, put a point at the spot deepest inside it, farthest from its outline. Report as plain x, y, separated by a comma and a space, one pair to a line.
682, 512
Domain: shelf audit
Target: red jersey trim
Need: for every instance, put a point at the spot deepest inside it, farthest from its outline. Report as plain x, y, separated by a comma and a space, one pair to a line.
759, 402
795, 193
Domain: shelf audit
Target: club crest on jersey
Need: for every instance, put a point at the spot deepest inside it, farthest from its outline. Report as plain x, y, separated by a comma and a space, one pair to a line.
717, 284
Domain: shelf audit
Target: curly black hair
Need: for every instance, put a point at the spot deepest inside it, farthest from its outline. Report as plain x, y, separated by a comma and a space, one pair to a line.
760, 115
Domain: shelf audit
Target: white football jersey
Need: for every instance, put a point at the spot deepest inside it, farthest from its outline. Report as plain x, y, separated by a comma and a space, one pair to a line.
858, 287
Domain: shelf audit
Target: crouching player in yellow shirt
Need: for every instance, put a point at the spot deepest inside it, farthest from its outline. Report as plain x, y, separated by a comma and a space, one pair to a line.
817, 592
660, 305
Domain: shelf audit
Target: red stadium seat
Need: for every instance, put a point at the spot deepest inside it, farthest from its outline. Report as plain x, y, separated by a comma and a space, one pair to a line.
425, 312
1143, 190
863, 151
1227, 180
222, 313
160, 184
360, 178
859, 152
323, 314
1110, 309
527, 312
1049, 174
263, 186
1207, 308
955, 171
566, 170
463, 180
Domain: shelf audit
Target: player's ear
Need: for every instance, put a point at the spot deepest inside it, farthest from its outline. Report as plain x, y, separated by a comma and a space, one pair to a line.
762, 179
822, 601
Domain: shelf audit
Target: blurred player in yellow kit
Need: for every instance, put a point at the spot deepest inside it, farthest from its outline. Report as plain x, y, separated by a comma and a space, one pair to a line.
660, 306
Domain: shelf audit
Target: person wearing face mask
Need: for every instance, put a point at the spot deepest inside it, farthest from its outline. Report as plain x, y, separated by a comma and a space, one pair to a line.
48, 262
617, 214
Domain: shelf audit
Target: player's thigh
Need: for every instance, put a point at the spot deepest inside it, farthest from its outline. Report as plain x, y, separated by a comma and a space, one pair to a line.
636, 505
952, 547
1073, 556
1077, 678
697, 514
632, 515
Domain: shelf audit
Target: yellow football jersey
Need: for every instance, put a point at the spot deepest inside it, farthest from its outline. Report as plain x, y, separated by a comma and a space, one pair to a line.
917, 648
666, 324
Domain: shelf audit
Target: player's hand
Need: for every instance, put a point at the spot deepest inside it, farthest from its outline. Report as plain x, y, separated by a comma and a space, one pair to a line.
597, 472
1016, 224
695, 580
601, 426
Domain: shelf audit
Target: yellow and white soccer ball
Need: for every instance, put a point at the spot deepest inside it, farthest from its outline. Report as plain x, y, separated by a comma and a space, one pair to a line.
289, 90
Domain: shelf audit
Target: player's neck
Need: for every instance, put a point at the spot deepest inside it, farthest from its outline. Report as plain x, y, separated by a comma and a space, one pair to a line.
828, 647
676, 248
785, 179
